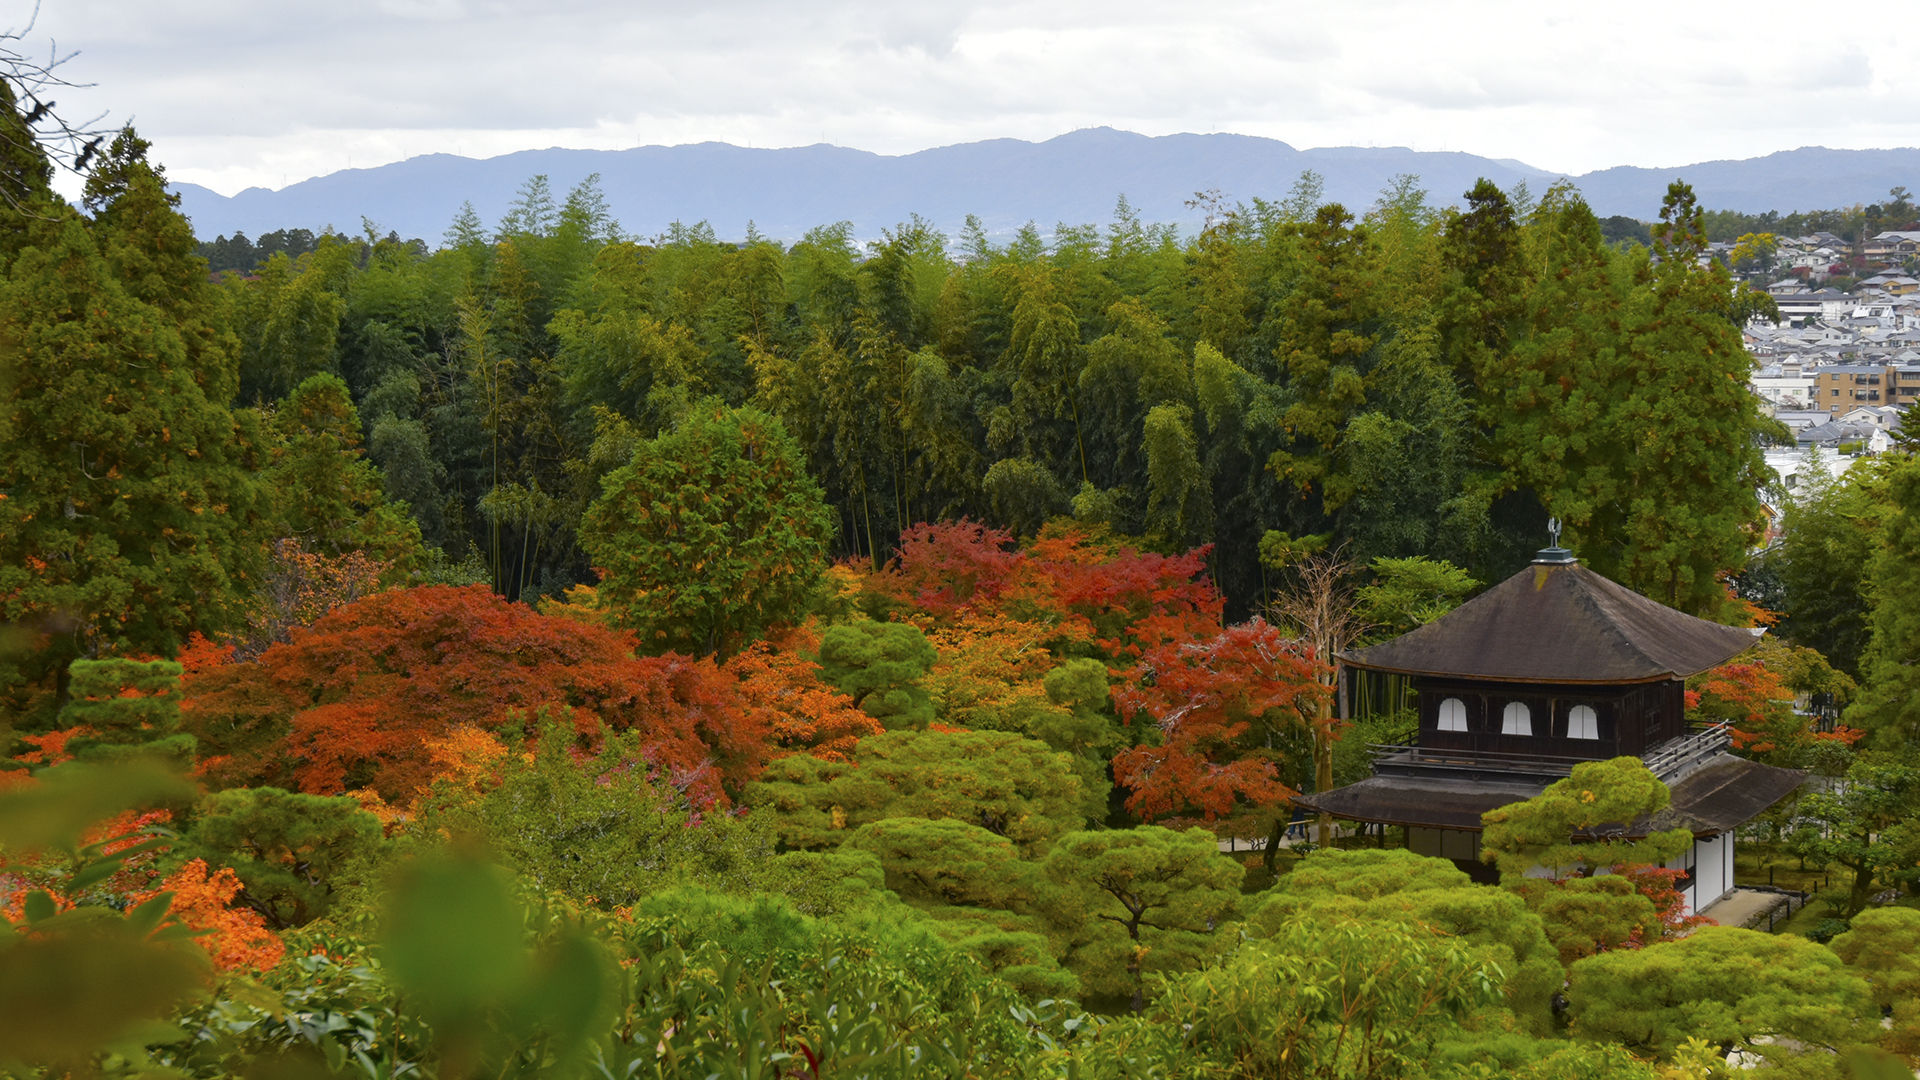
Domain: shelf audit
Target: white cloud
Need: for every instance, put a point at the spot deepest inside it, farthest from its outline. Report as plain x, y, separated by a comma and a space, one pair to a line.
238, 93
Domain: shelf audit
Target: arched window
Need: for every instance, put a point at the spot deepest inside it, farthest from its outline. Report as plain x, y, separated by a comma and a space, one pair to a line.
1517, 719
1583, 723
1453, 715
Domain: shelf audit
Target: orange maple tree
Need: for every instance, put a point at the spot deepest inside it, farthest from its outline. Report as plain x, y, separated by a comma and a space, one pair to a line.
360, 693
1098, 594
1756, 694
800, 711
236, 938
1210, 701
301, 585
1661, 886
990, 671
134, 876
1123, 600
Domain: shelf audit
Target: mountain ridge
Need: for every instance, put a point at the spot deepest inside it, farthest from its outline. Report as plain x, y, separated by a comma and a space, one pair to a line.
1075, 178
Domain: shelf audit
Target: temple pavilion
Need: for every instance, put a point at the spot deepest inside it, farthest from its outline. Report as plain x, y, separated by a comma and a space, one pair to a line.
1555, 666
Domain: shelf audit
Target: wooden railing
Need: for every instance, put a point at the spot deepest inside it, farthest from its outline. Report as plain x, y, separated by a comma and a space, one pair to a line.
1665, 760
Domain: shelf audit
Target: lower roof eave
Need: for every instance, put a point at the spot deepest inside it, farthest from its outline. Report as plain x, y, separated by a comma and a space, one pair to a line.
1722, 794
1417, 802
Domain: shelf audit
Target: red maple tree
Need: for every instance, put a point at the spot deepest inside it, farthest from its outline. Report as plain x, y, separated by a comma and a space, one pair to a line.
1211, 702
1099, 594
941, 568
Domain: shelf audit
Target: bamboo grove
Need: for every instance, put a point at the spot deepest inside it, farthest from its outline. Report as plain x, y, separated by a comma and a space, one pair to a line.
1411, 381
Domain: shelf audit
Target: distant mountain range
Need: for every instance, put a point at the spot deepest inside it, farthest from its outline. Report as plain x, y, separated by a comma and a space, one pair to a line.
1075, 178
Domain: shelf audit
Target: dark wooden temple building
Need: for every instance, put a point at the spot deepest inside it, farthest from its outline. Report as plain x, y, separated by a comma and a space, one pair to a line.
1555, 666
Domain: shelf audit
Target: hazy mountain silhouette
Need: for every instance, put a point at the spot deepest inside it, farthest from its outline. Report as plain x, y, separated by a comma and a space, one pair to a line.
1075, 178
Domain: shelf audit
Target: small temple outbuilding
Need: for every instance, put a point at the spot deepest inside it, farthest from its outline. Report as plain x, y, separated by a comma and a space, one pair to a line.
1555, 666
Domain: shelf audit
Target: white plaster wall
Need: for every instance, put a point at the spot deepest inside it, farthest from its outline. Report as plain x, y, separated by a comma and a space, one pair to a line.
1682, 862
1710, 878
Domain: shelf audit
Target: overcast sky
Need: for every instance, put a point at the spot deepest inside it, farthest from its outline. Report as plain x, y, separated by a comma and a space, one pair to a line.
237, 93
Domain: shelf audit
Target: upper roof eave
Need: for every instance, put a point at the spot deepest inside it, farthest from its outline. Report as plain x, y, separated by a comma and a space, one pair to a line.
1346, 658
1558, 622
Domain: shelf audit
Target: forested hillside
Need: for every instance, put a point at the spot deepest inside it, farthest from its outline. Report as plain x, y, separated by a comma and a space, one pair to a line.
1413, 381
558, 655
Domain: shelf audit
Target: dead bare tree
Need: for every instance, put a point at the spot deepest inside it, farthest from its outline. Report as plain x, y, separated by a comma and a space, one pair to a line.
39, 131
1317, 603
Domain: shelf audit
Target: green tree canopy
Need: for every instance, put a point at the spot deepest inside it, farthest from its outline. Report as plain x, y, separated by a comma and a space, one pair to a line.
1329, 997
1889, 702
977, 888
295, 854
1011, 786
324, 490
1883, 947
601, 829
1396, 887
1138, 901
1866, 824
710, 534
1411, 592
880, 666
1565, 826
1773, 997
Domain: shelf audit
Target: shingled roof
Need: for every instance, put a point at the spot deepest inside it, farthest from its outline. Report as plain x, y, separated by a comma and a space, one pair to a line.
1558, 622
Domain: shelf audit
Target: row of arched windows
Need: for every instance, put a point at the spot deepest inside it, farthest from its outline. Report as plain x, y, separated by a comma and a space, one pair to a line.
1517, 719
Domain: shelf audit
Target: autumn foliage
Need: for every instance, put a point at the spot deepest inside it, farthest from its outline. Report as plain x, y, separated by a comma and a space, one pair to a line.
1210, 701
362, 691
783, 690
1095, 593
1756, 695
237, 939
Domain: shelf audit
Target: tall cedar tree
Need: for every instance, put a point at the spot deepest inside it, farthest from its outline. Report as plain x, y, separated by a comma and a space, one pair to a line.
326, 493
1328, 328
1689, 504
1889, 706
1549, 403
126, 510
1825, 561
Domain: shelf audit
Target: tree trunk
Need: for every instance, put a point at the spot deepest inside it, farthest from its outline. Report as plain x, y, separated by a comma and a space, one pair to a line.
1133, 965
1274, 837
1323, 765
1862, 889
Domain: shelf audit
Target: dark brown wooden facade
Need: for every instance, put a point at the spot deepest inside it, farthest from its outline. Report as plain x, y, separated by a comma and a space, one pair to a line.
1630, 719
